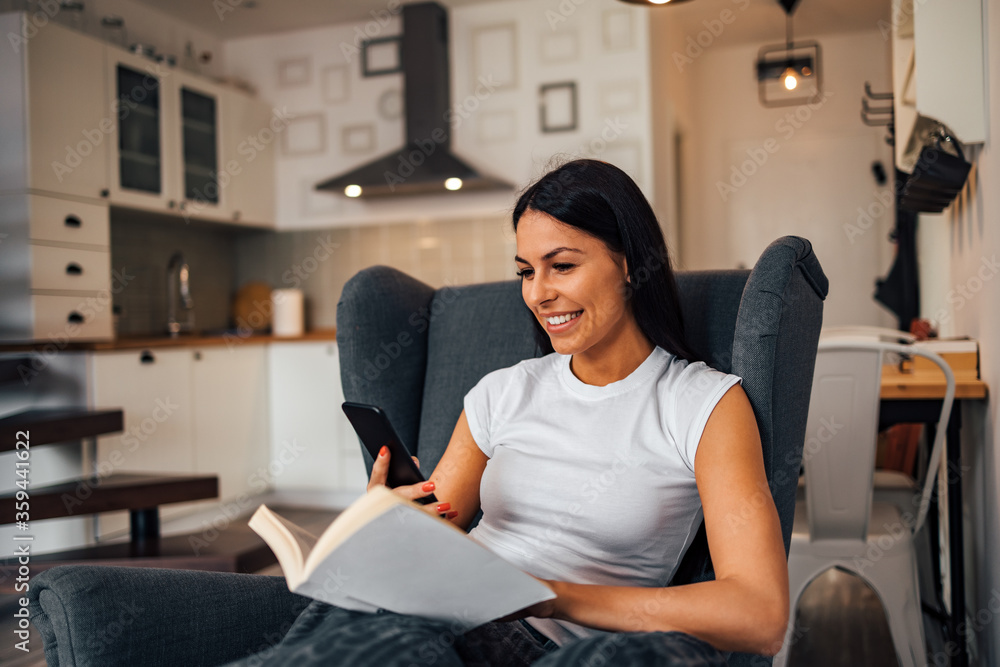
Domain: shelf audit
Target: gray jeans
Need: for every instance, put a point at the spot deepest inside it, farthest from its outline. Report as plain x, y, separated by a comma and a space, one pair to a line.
327, 635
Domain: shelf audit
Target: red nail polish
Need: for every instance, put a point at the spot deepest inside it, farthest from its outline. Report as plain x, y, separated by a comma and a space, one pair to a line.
444, 507
383, 451
452, 514
428, 486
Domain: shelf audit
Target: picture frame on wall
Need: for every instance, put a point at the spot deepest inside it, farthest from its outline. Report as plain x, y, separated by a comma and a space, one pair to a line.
380, 56
557, 107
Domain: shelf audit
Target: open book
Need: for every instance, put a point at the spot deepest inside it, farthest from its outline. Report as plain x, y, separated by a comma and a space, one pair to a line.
385, 552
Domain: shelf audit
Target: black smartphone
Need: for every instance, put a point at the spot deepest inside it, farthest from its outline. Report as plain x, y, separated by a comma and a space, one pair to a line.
373, 427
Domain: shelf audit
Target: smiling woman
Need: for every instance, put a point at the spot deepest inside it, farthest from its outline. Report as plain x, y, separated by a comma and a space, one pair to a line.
594, 466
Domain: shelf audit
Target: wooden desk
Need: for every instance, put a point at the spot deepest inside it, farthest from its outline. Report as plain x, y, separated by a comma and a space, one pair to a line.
915, 397
928, 384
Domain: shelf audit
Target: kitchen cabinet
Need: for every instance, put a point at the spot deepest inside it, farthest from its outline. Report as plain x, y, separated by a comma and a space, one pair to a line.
938, 69
248, 162
166, 139
154, 389
54, 116
311, 437
186, 411
185, 145
231, 417
82, 118
55, 269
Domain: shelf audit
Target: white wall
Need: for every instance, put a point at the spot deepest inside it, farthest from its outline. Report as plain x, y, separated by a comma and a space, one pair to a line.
757, 173
603, 47
965, 255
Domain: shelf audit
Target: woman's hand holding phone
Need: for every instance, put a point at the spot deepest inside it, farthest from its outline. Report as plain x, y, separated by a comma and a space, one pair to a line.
380, 473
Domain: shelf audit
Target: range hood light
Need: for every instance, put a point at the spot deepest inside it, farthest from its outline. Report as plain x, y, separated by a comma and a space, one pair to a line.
453, 183
353, 191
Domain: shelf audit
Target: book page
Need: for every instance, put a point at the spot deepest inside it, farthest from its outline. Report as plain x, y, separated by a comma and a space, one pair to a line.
409, 562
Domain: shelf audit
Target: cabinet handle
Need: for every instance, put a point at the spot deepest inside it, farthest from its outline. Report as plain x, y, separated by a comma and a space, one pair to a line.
104, 193
74, 269
171, 204
74, 318
73, 221
146, 357
183, 206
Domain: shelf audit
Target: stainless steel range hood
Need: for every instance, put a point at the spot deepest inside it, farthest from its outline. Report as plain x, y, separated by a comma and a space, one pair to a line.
425, 162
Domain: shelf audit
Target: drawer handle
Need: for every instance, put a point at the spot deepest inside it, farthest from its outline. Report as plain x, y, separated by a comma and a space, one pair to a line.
73, 221
74, 269
146, 357
75, 318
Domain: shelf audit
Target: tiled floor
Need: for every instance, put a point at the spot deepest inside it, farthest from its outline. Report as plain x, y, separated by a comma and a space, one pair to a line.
841, 623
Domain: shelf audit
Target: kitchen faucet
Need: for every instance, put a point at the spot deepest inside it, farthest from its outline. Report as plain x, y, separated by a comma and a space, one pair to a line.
179, 289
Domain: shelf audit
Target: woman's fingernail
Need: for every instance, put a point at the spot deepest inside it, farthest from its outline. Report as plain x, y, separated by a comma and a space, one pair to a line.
444, 507
383, 451
428, 486
452, 514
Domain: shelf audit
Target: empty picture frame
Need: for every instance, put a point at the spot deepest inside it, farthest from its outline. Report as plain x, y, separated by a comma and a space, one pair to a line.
618, 30
336, 82
390, 104
357, 138
559, 47
557, 107
617, 97
305, 135
494, 56
294, 72
495, 127
380, 56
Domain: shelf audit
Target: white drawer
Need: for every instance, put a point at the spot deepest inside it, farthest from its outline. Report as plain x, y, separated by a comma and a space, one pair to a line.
68, 222
72, 317
70, 269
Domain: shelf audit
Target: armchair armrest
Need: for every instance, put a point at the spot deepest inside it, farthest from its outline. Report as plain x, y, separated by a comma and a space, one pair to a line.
103, 615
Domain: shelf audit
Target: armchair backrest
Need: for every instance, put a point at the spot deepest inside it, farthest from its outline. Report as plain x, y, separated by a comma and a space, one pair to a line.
416, 351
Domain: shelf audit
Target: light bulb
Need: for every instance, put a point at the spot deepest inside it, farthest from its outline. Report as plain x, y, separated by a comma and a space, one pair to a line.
789, 79
353, 191
659, 2
453, 183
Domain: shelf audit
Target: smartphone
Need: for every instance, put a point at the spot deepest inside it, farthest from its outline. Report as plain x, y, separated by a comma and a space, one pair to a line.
373, 427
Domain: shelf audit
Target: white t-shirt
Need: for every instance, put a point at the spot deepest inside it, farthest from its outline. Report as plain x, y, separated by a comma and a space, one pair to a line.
592, 484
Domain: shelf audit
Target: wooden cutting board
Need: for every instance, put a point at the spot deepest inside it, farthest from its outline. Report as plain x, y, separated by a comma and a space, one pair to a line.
252, 307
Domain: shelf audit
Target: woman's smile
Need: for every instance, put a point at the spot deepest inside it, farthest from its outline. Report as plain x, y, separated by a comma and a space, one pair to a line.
557, 324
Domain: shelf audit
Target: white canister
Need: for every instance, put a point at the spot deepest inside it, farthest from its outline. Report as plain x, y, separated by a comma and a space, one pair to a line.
287, 312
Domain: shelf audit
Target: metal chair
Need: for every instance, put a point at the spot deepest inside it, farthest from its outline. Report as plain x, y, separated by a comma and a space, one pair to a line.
839, 525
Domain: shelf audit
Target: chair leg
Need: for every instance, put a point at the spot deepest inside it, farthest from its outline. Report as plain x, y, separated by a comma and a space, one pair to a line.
802, 569
897, 585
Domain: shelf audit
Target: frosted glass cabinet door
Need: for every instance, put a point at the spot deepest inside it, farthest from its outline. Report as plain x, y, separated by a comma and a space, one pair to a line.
196, 156
144, 118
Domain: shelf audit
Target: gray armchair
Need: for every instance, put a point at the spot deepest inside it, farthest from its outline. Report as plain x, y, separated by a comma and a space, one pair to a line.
416, 351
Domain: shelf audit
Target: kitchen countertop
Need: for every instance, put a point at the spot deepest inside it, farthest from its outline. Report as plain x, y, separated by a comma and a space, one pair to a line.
186, 340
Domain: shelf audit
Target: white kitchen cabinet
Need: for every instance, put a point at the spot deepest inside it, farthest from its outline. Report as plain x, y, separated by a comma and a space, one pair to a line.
196, 152
938, 66
187, 410
143, 172
191, 147
312, 443
154, 389
249, 148
55, 269
231, 417
54, 117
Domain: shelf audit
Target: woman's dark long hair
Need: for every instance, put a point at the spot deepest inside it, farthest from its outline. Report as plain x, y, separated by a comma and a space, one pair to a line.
601, 200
